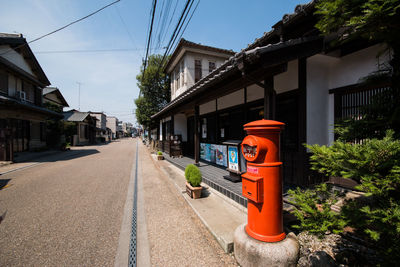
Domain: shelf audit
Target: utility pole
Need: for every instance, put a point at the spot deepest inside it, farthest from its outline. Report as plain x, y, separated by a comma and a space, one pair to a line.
79, 95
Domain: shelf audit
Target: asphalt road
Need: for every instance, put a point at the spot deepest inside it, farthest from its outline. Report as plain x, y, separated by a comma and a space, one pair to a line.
67, 210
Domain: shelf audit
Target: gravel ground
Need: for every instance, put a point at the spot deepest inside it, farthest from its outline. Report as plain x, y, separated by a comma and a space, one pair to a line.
67, 211
176, 235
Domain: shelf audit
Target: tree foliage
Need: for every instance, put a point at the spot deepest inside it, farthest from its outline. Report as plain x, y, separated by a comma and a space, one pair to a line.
313, 210
375, 164
155, 90
376, 21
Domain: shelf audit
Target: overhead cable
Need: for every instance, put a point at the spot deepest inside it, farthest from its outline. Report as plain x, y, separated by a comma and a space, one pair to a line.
59, 29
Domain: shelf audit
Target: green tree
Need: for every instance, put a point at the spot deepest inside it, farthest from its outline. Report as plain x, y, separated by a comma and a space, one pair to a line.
375, 21
155, 90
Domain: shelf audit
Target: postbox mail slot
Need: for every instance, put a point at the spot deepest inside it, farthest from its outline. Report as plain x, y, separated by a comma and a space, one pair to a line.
252, 187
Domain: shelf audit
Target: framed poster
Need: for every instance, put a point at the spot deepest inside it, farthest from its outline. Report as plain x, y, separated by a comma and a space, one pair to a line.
220, 155
233, 156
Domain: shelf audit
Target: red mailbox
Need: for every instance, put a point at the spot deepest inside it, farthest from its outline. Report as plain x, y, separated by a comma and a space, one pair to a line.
262, 183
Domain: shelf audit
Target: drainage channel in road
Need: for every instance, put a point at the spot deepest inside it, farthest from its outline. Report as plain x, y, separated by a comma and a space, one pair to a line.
133, 242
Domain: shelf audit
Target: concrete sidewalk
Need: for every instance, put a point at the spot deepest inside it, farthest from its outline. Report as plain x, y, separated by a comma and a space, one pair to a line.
219, 214
175, 234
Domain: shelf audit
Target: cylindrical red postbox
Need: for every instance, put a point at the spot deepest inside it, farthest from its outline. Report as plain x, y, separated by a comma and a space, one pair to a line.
262, 183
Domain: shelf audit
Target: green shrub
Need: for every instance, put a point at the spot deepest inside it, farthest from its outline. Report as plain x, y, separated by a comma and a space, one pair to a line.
313, 210
193, 175
159, 153
376, 165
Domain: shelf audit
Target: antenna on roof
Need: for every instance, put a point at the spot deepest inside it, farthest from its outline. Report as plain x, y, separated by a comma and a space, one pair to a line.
79, 95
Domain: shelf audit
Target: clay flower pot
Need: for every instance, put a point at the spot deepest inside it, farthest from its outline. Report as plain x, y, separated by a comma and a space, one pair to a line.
160, 157
193, 192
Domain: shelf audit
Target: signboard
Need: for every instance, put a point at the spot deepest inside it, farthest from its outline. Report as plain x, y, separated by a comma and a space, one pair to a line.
233, 156
220, 155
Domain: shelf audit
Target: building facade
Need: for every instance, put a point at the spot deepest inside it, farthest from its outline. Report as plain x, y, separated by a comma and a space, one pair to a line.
112, 124
22, 113
291, 74
102, 134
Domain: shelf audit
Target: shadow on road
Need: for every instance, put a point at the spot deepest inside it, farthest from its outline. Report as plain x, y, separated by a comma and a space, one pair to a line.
59, 156
4, 183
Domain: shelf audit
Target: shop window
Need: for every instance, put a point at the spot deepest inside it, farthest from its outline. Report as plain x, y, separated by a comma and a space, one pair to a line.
197, 70
209, 129
223, 123
236, 122
255, 113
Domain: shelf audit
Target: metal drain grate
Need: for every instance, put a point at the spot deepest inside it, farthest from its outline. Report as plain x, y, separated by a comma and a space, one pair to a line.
133, 243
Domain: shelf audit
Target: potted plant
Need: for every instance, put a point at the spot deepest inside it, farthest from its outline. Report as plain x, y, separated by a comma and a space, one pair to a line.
193, 181
160, 155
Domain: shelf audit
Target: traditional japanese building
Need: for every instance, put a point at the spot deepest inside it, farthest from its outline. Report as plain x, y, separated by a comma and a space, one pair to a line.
291, 74
22, 113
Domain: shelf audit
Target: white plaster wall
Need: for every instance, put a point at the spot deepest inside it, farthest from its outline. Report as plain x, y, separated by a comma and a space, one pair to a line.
349, 69
207, 107
180, 126
15, 58
288, 80
318, 99
326, 72
233, 99
254, 92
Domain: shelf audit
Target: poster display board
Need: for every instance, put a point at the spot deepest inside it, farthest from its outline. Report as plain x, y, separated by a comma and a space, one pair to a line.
220, 155
233, 156
214, 153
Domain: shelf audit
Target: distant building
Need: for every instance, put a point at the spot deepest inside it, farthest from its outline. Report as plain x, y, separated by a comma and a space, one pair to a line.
103, 134
22, 114
53, 96
82, 127
112, 124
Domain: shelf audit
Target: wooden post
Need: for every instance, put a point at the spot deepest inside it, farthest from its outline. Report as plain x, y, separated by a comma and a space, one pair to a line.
302, 70
196, 135
269, 98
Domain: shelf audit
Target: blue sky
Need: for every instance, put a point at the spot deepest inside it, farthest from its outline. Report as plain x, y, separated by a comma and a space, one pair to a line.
108, 79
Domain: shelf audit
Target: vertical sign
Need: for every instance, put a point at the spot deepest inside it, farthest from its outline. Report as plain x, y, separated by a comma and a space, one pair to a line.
233, 158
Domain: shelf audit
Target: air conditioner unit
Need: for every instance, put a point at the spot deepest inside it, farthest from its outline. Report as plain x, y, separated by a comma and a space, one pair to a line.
21, 95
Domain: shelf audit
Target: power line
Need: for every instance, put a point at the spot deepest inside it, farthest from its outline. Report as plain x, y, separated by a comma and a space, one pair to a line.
169, 24
59, 29
180, 27
126, 27
189, 19
89, 51
151, 29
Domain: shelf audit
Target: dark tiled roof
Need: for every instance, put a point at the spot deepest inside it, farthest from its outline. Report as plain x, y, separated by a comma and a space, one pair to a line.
49, 90
75, 115
18, 41
28, 106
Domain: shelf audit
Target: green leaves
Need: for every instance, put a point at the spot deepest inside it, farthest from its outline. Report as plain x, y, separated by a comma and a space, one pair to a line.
155, 88
313, 210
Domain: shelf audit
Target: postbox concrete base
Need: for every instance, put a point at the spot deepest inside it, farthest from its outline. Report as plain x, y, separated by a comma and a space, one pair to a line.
251, 252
